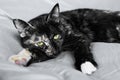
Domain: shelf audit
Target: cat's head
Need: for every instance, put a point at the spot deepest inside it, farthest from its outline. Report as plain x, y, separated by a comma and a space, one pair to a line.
46, 35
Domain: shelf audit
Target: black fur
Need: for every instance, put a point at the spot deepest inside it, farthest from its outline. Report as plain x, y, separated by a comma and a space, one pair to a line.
78, 28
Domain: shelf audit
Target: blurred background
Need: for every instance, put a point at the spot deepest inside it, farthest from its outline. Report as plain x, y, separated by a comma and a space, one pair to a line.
27, 9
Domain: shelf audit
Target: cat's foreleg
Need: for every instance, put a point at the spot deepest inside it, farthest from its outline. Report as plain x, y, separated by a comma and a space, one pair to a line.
21, 58
84, 60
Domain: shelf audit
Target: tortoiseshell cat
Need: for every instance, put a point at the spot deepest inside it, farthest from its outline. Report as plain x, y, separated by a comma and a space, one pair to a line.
47, 35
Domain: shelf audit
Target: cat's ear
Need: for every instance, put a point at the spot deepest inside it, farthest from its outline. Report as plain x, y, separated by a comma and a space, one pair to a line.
54, 14
21, 26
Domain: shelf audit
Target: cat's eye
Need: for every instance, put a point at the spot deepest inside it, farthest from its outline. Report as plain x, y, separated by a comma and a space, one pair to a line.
40, 43
56, 37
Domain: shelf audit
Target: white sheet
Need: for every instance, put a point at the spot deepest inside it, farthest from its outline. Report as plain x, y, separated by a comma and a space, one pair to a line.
107, 55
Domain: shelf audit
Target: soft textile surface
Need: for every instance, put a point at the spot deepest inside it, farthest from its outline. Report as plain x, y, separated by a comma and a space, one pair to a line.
61, 68
106, 54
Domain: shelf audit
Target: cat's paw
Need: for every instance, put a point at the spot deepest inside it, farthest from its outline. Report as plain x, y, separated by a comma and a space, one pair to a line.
88, 68
18, 59
21, 58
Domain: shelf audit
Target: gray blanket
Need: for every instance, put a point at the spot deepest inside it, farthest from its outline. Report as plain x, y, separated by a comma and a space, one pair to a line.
107, 55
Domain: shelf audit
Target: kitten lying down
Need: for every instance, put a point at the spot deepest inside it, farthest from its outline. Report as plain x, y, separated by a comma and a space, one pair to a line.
24, 56
47, 35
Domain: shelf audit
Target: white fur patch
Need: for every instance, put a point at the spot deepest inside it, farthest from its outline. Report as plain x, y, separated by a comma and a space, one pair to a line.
22, 35
21, 58
88, 68
118, 27
119, 14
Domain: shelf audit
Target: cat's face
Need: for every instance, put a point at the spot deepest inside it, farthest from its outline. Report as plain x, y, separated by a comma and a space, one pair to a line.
44, 41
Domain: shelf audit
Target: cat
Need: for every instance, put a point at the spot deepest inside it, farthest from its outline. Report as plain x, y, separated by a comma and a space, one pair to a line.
47, 35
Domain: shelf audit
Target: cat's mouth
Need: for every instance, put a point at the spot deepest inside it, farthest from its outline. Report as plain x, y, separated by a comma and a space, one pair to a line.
50, 51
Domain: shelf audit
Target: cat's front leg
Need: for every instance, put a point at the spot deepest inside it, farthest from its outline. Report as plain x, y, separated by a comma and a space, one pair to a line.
21, 58
84, 60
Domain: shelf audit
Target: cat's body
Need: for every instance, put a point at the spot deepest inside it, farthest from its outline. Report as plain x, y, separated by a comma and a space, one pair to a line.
70, 30
99, 25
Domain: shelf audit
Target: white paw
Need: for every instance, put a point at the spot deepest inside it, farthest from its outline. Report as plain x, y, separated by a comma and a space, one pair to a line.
21, 59
88, 68
18, 59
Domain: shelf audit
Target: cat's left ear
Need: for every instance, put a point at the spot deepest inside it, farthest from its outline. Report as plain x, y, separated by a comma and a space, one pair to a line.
54, 14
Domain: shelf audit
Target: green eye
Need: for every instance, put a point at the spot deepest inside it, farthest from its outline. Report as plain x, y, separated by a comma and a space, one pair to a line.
56, 37
40, 43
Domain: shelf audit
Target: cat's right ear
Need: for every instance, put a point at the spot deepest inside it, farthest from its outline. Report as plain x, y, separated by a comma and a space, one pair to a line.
21, 26
54, 13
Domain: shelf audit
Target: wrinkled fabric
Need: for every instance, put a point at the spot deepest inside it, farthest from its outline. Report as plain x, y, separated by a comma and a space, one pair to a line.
107, 55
